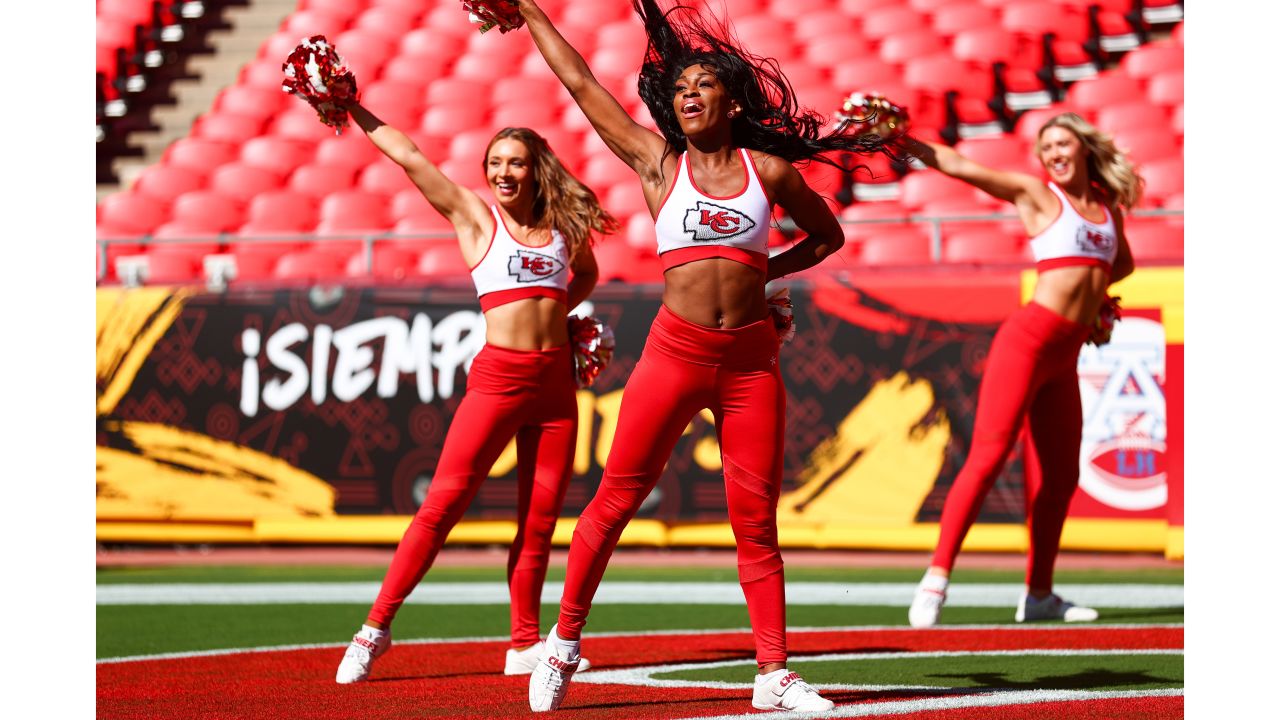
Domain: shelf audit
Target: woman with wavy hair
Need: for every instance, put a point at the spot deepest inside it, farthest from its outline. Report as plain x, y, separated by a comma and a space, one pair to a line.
1076, 224
522, 251
730, 130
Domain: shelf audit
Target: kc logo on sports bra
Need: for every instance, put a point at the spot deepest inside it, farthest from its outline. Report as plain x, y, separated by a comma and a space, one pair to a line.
713, 222
527, 266
1096, 240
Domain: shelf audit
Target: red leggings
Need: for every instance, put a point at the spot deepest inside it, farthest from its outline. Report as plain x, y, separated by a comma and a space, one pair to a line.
528, 394
685, 368
1030, 372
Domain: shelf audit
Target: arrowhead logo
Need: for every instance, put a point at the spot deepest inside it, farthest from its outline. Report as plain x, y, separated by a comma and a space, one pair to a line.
708, 221
1090, 239
527, 266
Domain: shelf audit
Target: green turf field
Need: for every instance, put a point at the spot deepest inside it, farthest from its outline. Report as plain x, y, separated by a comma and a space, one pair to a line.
126, 630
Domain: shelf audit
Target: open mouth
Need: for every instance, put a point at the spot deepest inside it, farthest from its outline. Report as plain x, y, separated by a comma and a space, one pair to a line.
505, 189
691, 108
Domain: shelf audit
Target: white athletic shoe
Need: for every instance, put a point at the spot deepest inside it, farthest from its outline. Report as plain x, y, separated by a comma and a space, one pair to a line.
365, 647
1052, 607
549, 682
522, 662
784, 690
931, 593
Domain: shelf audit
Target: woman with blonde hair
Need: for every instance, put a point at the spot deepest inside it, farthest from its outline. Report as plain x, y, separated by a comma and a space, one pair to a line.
531, 261
1076, 224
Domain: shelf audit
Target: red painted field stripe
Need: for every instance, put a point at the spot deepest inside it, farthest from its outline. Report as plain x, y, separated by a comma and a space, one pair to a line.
1152, 708
461, 680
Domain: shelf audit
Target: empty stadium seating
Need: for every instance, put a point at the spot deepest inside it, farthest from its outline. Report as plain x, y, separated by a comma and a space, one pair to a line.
258, 163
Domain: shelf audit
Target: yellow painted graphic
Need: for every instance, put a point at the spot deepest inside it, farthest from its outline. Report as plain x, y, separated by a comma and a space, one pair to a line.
879, 465
130, 323
1159, 287
180, 475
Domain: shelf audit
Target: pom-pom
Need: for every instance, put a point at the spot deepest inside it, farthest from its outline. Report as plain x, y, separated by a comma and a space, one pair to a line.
1108, 314
592, 343
490, 14
316, 73
872, 114
783, 319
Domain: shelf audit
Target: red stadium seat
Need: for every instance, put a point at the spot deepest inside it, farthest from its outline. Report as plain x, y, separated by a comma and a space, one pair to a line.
355, 209
242, 182
344, 10
365, 52
275, 154
901, 47
393, 23
416, 68
1104, 90
793, 9
831, 22
953, 18
409, 202
350, 148
986, 45
305, 23
264, 74
388, 96
319, 180
300, 124
922, 188
1151, 59
133, 212
1033, 18
207, 210
1144, 145
1154, 238
864, 74
429, 223
908, 246
532, 115
165, 182
940, 72
254, 262
1176, 122
389, 263
173, 265
280, 212
886, 21
227, 127
1029, 124
443, 261
309, 265
384, 178
1164, 179
198, 154
1139, 114
985, 246
1166, 88
247, 100
427, 40
1003, 152
624, 200
445, 120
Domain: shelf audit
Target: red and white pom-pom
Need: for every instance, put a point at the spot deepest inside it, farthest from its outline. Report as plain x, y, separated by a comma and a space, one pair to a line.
490, 14
1108, 314
593, 344
783, 318
316, 73
872, 114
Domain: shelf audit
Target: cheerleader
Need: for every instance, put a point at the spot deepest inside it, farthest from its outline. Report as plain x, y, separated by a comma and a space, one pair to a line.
730, 131
1076, 225
531, 261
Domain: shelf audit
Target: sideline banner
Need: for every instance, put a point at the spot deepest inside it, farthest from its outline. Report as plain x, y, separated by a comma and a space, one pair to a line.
223, 415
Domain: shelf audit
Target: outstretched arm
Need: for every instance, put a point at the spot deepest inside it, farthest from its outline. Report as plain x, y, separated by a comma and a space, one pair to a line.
1014, 187
823, 236
460, 205
637, 146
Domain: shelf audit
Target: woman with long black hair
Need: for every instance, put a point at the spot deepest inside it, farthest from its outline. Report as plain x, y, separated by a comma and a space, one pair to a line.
730, 131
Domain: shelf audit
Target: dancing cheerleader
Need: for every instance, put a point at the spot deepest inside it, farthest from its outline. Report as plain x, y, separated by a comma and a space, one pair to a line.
1076, 225
531, 261
730, 131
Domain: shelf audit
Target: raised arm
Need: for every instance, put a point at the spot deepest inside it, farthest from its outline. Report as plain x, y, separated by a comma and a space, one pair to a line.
459, 205
640, 148
1015, 187
823, 236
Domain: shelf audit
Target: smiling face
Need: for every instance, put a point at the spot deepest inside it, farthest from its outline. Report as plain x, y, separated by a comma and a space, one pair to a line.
509, 170
701, 101
1063, 155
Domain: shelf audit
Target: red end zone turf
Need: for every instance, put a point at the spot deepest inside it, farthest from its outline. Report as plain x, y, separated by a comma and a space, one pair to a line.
463, 680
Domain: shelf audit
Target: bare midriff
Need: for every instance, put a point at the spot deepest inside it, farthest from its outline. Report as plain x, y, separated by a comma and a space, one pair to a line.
716, 293
1074, 292
531, 324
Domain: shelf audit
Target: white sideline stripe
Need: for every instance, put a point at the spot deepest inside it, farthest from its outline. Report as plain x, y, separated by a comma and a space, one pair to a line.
984, 699
627, 593
636, 633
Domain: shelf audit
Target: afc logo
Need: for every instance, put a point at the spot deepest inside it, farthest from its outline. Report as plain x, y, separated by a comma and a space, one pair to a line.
527, 266
706, 221
1094, 240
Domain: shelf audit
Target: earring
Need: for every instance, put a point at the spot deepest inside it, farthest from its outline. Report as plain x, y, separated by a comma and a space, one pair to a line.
731, 113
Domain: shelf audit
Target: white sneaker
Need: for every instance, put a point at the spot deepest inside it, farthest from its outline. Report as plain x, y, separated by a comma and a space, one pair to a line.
931, 593
784, 690
549, 682
522, 662
1052, 607
365, 647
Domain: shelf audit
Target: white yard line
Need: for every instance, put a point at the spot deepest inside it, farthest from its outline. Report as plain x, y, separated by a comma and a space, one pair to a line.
623, 593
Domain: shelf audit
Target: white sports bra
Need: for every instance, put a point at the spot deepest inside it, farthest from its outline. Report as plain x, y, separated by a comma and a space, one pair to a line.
511, 271
692, 225
1072, 240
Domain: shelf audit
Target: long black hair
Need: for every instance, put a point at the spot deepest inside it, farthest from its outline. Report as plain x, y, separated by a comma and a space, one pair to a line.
771, 120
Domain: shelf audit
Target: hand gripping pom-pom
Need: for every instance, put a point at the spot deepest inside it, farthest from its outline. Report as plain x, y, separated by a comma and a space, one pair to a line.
783, 318
316, 73
490, 14
1108, 314
592, 343
872, 114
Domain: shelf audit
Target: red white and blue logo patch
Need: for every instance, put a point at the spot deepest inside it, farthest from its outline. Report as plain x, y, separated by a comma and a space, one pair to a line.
708, 221
526, 266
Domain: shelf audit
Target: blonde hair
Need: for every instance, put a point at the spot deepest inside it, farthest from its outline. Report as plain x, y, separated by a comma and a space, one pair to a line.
560, 201
1108, 167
